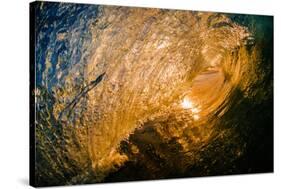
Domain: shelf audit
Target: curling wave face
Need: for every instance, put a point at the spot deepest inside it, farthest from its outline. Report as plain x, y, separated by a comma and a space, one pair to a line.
146, 89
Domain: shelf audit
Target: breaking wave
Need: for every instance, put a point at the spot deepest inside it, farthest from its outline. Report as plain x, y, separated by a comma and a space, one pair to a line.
125, 91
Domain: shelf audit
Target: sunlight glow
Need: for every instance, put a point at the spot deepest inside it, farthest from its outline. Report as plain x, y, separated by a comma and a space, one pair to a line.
196, 117
188, 105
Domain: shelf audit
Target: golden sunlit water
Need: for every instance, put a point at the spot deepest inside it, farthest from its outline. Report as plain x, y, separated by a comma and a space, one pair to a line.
136, 93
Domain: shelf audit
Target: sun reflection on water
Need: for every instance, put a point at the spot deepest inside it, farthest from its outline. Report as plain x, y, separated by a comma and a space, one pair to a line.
189, 105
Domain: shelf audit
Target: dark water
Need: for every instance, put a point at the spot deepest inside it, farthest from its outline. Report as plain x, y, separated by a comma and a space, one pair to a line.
133, 94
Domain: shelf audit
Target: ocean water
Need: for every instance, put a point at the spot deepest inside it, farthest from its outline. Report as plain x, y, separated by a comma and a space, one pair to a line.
136, 93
